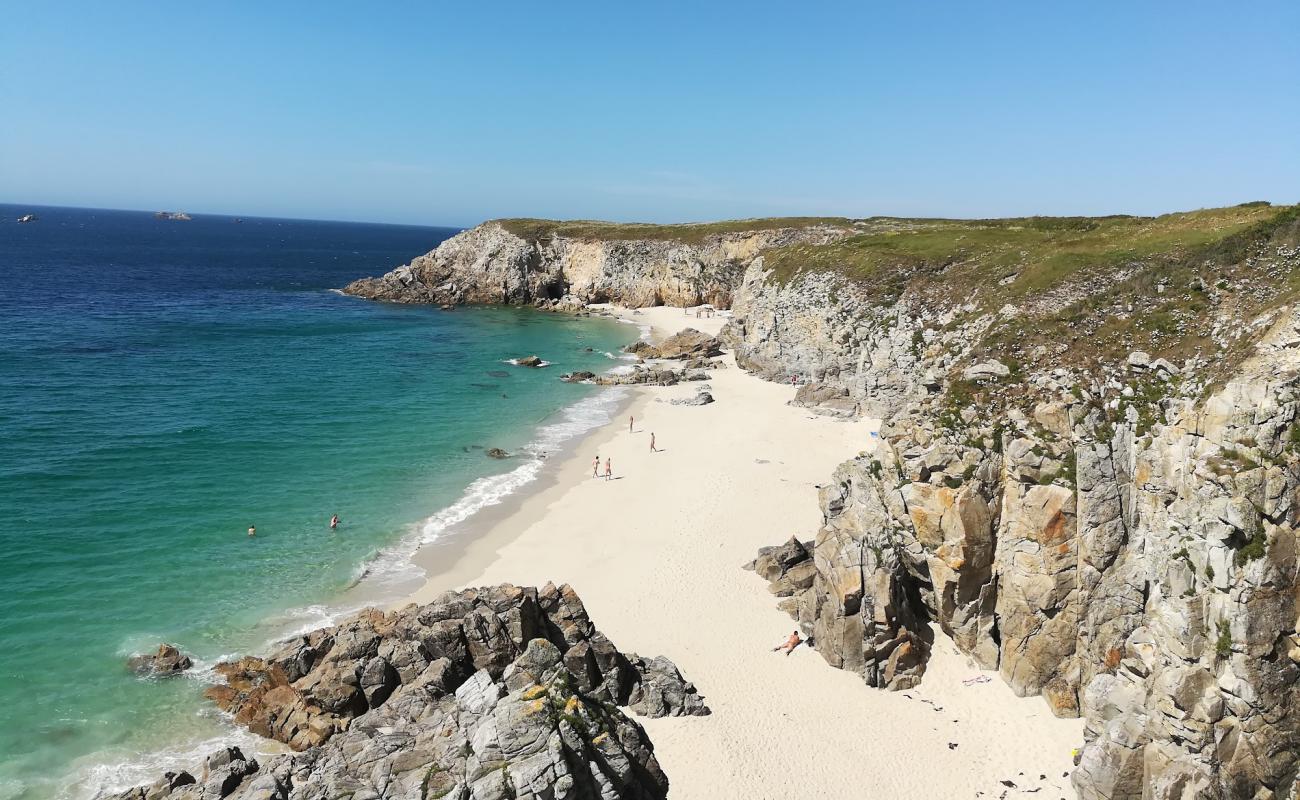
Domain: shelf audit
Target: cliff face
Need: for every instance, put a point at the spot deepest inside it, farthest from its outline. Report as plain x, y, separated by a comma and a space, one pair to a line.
1088, 473
1106, 528
502, 262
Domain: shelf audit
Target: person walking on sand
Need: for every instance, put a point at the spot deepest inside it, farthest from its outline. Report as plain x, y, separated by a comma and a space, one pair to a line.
629, 424
609, 471
595, 467
653, 449
334, 522
252, 530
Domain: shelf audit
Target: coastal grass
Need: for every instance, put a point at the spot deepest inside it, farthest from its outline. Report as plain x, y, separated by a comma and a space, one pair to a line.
1032, 254
535, 230
1086, 291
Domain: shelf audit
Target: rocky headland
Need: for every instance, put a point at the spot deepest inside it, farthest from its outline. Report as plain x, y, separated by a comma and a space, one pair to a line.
1088, 467
488, 693
570, 264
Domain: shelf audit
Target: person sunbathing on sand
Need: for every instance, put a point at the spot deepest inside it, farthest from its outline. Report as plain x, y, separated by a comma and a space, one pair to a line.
790, 644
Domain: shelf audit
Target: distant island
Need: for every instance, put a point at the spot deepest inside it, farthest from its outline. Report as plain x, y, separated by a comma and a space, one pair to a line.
178, 216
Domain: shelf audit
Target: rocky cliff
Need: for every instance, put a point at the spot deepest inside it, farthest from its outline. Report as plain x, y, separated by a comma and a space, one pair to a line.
534, 262
1088, 474
483, 694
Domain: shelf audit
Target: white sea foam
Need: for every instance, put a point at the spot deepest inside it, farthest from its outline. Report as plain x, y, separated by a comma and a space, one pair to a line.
100, 778
392, 566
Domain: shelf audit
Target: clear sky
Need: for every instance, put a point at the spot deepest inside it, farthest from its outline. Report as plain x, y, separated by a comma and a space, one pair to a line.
658, 111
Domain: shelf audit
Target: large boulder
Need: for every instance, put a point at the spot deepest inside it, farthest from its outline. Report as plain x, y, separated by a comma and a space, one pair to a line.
689, 343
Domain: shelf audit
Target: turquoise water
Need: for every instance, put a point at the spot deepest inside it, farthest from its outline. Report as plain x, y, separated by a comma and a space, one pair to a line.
164, 385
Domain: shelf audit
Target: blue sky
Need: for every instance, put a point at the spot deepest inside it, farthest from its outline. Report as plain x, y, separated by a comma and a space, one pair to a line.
407, 112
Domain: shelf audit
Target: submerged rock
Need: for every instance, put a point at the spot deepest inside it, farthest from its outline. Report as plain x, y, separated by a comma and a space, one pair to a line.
497, 452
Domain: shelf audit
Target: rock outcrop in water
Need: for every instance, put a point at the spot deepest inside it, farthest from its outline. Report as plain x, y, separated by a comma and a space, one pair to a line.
167, 661
487, 693
565, 265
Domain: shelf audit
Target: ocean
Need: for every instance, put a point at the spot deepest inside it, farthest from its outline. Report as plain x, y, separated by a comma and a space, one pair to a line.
166, 384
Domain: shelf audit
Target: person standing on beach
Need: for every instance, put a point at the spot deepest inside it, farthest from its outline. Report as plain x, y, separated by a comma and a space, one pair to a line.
629, 424
595, 467
653, 449
252, 530
609, 471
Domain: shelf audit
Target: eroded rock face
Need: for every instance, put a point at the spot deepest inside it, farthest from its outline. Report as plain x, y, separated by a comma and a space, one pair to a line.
485, 693
489, 264
854, 355
1133, 564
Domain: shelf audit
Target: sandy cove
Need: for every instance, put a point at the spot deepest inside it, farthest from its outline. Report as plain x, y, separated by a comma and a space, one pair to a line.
656, 556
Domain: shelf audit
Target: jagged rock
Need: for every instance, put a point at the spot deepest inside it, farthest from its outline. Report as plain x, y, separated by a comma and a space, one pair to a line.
528, 361
484, 693
662, 691
577, 377
167, 661
497, 452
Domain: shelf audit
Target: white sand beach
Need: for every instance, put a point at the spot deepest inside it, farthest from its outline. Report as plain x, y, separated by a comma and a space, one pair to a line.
656, 555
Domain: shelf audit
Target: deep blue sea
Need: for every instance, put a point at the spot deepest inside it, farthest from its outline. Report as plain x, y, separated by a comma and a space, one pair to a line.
163, 386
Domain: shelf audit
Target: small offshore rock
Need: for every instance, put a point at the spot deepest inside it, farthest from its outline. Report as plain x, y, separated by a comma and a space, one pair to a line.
577, 377
497, 452
167, 661
529, 361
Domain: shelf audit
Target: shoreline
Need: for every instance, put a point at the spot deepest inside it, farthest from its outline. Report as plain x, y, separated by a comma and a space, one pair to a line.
657, 556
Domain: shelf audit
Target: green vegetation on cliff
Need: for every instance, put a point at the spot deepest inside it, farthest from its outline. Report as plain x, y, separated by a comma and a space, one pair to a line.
690, 233
1084, 291
1032, 254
